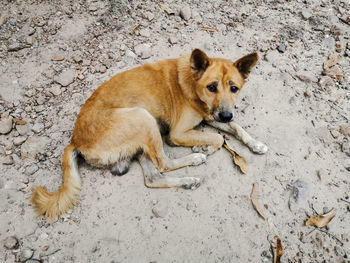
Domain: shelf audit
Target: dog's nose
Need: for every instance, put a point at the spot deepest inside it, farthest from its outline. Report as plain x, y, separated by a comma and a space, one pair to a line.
225, 116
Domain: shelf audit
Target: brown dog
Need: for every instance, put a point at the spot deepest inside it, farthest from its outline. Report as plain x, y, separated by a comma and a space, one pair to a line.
123, 117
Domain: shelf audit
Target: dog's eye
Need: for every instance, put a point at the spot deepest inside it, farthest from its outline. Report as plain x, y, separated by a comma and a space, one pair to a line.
212, 87
234, 89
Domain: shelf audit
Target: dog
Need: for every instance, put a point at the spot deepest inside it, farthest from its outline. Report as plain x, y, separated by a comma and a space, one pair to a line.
124, 116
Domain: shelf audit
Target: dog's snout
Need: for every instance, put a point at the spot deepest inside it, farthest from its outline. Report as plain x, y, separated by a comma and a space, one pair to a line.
225, 116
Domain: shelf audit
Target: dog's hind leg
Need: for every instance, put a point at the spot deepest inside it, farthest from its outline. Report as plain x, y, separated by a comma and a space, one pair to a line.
154, 179
121, 167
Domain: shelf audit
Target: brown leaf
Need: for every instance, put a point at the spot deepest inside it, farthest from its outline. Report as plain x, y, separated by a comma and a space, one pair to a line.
240, 161
333, 59
134, 29
254, 198
210, 29
19, 121
320, 221
57, 58
277, 249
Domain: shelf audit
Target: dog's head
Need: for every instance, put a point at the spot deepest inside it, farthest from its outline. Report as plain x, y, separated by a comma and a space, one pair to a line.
218, 81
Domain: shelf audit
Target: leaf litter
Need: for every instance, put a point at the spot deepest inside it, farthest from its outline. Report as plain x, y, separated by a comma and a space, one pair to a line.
240, 161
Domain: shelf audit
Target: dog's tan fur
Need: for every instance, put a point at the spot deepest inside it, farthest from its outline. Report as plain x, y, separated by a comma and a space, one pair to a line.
121, 119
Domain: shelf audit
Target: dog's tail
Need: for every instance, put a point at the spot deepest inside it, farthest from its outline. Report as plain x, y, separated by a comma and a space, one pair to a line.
57, 203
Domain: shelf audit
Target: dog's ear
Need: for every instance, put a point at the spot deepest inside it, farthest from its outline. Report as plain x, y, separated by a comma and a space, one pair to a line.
199, 62
246, 64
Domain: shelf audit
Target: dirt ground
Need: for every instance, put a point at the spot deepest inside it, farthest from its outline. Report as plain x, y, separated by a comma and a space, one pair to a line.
54, 54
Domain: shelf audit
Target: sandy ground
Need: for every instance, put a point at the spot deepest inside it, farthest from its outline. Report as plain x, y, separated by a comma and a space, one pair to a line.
53, 56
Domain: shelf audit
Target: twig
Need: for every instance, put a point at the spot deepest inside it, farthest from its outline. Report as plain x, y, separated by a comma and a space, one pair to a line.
346, 201
49, 254
331, 235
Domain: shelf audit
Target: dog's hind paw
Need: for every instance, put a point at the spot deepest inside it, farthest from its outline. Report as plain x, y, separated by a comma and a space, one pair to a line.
258, 147
191, 183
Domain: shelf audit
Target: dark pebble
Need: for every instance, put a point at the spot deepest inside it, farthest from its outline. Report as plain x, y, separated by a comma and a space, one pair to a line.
281, 48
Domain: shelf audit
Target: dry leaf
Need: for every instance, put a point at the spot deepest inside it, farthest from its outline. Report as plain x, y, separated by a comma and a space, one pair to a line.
57, 58
277, 249
134, 29
333, 59
167, 9
210, 29
240, 161
320, 221
254, 198
19, 121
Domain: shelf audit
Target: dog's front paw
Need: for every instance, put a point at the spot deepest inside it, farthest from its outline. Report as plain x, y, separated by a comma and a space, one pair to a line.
191, 183
198, 158
258, 147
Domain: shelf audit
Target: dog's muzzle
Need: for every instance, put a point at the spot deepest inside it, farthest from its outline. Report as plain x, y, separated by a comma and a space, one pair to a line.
223, 116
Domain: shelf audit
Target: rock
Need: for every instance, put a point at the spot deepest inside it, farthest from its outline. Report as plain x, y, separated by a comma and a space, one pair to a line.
329, 43
333, 72
160, 210
143, 51
335, 134
78, 98
332, 60
78, 57
145, 33
272, 56
38, 127
7, 160
281, 48
24, 255
22, 129
2, 20
19, 140
346, 147
306, 76
31, 169
11, 242
345, 130
185, 13
173, 39
55, 90
148, 15
326, 81
66, 77
301, 192
306, 14
5, 124
33, 146
131, 54
102, 69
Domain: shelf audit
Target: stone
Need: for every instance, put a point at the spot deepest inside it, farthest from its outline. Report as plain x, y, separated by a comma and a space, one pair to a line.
185, 13
345, 130
7, 160
160, 210
143, 51
31, 169
329, 43
335, 134
24, 254
346, 147
22, 129
102, 69
55, 90
306, 14
33, 146
19, 140
11, 242
173, 40
38, 127
145, 33
333, 72
130, 54
66, 77
5, 124
301, 192
307, 76
281, 48
272, 56
325, 81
